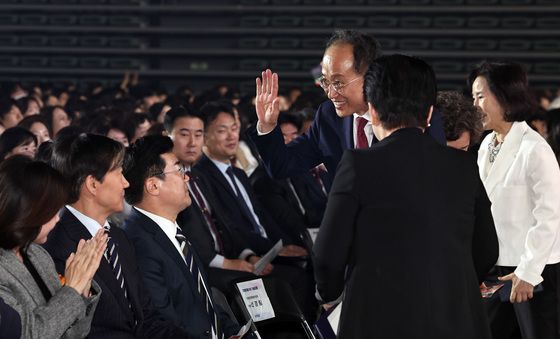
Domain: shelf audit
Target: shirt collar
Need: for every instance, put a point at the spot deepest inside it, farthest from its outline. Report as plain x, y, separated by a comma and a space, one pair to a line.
167, 226
221, 166
91, 225
365, 116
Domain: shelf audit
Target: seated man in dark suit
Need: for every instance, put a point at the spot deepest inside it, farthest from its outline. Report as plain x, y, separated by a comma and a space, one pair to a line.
235, 198
92, 164
169, 265
225, 254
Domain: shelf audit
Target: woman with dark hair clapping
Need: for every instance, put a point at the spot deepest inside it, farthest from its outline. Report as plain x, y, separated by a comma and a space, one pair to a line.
31, 193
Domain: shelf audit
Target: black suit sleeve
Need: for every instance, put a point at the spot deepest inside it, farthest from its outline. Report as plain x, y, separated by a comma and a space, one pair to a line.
485, 240
332, 249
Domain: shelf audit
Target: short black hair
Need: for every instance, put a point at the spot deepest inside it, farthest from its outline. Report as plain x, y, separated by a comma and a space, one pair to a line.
31, 193
5, 106
365, 48
180, 112
291, 118
459, 115
78, 156
508, 82
401, 89
14, 137
212, 109
142, 161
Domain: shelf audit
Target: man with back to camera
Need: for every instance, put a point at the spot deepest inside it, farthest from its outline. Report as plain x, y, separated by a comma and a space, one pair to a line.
339, 124
406, 272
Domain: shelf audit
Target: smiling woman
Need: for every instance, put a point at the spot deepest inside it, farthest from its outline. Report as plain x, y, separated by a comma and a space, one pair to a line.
522, 179
17, 140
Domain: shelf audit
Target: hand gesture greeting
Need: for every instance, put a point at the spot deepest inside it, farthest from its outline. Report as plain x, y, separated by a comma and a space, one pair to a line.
267, 103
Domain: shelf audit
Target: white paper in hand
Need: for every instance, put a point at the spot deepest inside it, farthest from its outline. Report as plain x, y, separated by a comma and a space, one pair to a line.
268, 257
256, 299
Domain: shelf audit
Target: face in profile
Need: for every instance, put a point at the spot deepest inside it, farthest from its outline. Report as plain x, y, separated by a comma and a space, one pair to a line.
338, 71
46, 229
188, 138
222, 137
173, 188
486, 100
110, 190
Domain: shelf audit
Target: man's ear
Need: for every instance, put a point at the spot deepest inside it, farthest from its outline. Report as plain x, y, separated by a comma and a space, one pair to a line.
429, 116
373, 114
91, 184
151, 186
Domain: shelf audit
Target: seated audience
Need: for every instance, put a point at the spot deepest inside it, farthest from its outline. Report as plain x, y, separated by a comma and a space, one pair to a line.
17, 140
169, 264
10, 114
92, 164
31, 193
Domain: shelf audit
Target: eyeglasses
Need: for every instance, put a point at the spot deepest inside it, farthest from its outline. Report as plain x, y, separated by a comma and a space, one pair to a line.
181, 170
336, 85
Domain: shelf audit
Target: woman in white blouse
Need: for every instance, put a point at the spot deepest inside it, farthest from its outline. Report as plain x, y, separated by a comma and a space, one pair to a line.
522, 179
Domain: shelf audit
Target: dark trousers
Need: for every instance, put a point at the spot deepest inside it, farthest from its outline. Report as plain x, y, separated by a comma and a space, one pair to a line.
536, 319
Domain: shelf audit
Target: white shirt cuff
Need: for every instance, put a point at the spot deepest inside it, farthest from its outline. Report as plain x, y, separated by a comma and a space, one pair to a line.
259, 133
217, 262
530, 277
245, 253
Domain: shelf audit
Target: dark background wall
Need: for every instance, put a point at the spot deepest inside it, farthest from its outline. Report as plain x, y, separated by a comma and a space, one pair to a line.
204, 43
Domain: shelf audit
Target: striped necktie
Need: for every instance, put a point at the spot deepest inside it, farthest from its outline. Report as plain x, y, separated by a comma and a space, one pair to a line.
112, 255
198, 282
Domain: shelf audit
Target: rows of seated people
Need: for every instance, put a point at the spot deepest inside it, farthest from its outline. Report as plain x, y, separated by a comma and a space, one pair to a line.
161, 180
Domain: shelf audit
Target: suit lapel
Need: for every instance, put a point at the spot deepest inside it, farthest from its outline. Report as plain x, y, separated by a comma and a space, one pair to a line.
160, 239
347, 131
505, 157
215, 172
77, 231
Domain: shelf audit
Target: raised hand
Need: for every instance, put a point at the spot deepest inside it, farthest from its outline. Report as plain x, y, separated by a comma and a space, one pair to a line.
267, 103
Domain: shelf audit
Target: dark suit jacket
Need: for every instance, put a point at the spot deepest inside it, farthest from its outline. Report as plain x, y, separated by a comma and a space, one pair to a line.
226, 200
412, 272
312, 197
168, 280
193, 223
113, 318
10, 322
325, 142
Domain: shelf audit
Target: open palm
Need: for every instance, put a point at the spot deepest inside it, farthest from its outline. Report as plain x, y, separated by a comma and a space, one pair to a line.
267, 101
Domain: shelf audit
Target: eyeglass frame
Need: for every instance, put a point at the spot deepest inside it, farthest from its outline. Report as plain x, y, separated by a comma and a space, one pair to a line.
340, 89
181, 170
